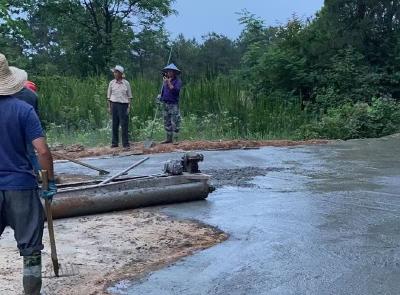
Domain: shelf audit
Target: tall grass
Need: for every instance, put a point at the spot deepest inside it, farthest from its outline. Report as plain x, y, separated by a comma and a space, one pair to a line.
75, 110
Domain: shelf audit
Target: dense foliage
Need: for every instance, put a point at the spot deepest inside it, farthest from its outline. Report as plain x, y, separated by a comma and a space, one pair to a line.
343, 65
335, 75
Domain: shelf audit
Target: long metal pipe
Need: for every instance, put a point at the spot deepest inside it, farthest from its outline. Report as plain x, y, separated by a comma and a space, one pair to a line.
142, 193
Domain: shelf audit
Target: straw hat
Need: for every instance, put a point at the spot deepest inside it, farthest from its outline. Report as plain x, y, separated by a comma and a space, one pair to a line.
11, 79
172, 67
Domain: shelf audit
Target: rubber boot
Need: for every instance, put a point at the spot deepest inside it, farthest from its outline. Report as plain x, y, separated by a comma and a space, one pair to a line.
32, 276
175, 139
169, 138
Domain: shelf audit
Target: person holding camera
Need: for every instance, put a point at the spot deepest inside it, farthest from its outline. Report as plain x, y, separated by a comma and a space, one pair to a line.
170, 99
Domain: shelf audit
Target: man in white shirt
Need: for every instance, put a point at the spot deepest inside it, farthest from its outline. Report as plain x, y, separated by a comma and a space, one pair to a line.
119, 96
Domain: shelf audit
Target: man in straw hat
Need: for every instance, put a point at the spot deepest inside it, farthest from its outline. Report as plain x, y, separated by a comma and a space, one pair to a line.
119, 96
170, 98
20, 207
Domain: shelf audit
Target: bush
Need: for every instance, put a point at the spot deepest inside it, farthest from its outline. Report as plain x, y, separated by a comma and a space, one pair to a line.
359, 120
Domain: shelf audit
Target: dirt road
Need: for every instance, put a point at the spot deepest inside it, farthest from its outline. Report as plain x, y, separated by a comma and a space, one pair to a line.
79, 151
106, 248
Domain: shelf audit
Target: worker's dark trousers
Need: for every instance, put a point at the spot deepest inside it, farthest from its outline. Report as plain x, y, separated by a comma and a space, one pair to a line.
23, 212
120, 117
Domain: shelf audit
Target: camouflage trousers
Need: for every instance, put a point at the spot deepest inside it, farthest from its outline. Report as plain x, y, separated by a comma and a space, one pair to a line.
172, 117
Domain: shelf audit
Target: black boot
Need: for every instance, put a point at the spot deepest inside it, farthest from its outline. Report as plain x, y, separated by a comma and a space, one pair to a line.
175, 139
169, 138
32, 278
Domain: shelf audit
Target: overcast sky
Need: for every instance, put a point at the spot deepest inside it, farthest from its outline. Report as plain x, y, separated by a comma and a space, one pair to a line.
199, 17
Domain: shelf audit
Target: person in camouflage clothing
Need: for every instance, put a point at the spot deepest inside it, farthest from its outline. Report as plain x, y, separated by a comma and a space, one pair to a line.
170, 99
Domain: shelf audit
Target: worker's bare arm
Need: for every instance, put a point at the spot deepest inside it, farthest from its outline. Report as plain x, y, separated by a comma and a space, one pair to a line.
44, 156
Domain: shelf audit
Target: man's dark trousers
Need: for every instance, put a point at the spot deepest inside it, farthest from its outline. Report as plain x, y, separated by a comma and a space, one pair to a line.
23, 212
120, 117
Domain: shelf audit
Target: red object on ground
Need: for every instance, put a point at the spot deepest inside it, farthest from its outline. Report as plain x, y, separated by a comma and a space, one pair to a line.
30, 85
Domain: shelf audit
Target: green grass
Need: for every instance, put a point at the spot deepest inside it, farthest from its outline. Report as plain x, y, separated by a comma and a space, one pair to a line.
74, 111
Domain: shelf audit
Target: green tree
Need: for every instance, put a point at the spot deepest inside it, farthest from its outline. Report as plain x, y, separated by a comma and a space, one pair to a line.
186, 54
370, 29
150, 51
274, 63
218, 54
82, 35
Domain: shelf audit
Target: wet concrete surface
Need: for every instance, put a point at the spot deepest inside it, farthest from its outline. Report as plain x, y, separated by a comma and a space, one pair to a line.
239, 177
318, 220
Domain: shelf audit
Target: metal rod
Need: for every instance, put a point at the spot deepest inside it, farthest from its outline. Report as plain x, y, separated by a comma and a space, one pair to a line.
170, 54
50, 227
124, 171
91, 183
101, 171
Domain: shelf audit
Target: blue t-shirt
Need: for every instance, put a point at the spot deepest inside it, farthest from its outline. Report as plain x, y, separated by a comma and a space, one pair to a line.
19, 125
29, 97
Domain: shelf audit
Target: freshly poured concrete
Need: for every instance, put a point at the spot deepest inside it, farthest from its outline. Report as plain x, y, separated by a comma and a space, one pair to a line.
324, 220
